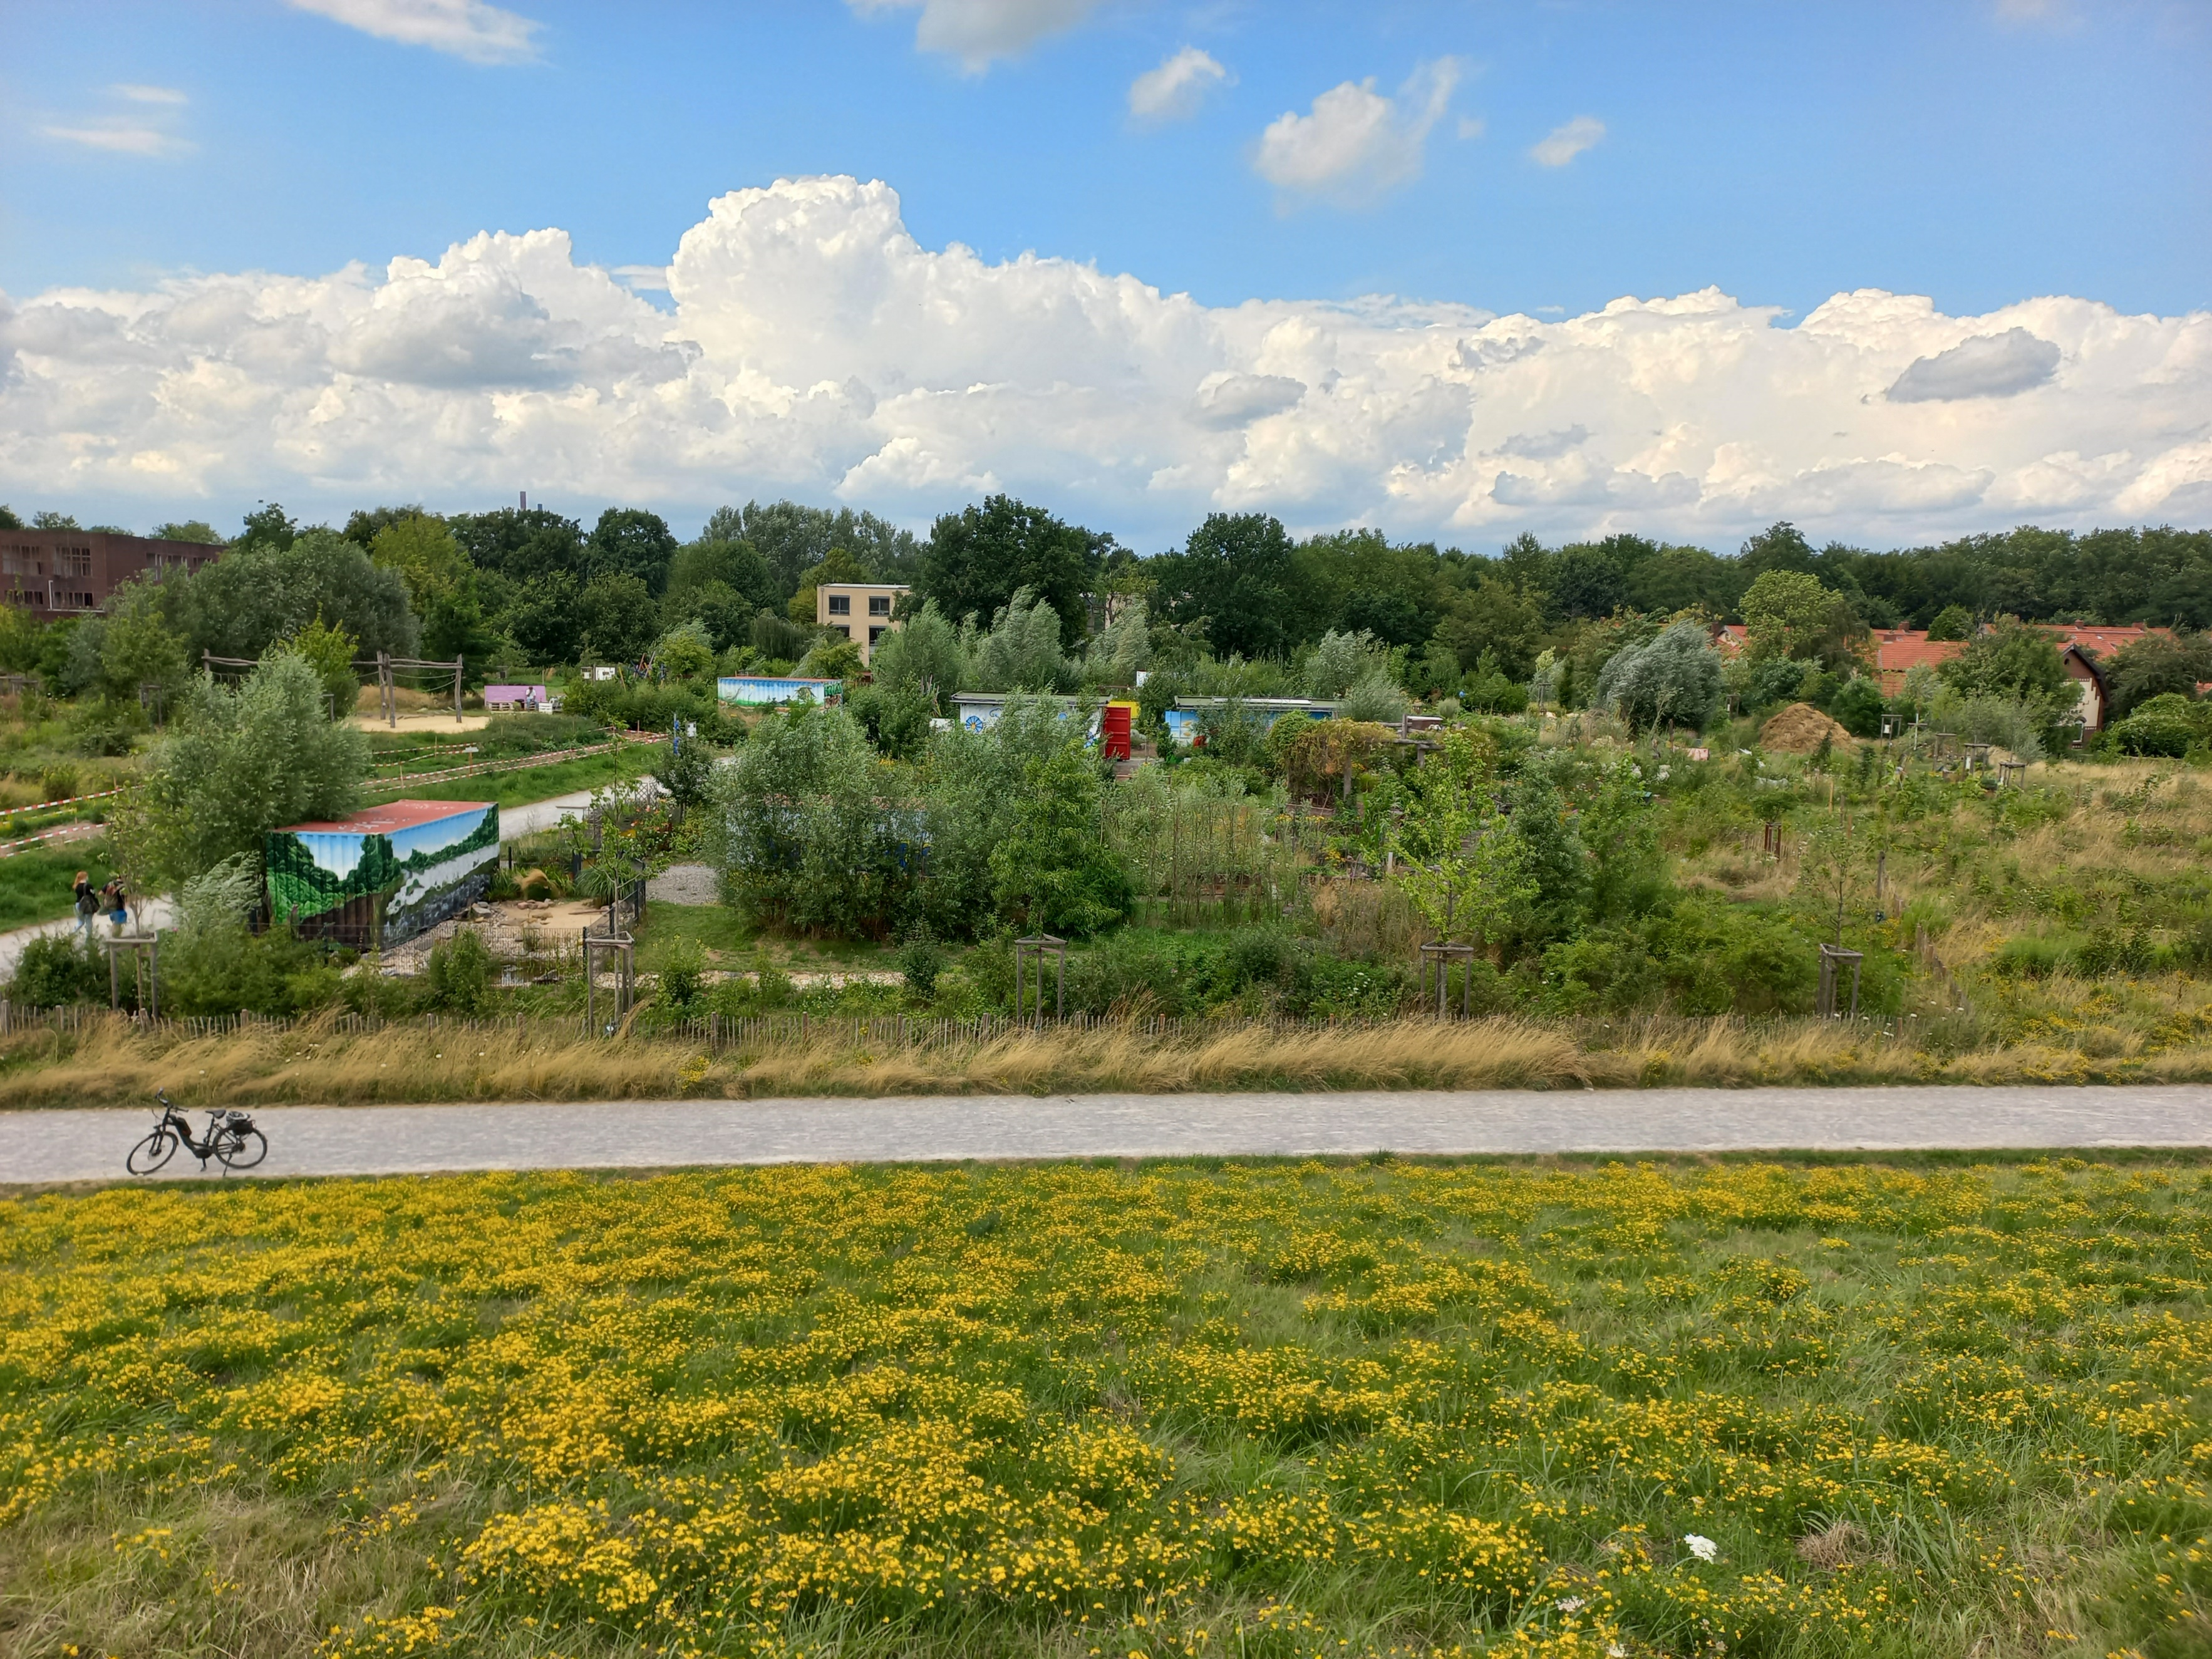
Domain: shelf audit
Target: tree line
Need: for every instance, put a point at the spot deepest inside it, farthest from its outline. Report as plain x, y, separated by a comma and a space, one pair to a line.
531, 587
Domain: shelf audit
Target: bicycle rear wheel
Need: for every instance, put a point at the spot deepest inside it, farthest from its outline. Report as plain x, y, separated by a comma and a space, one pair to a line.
151, 1153
241, 1149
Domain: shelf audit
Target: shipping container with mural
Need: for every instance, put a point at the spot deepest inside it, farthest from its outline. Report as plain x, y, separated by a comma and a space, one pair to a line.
385, 874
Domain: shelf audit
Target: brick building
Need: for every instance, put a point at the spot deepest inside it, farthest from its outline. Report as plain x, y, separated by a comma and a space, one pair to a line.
70, 573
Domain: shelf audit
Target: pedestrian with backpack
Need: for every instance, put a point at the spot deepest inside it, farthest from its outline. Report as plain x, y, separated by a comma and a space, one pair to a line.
87, 904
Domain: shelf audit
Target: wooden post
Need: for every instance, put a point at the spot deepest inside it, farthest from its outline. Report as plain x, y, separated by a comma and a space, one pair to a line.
457, 691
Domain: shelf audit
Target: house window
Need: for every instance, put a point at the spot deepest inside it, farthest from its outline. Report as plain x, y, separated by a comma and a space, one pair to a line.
841, 605
880, 605
21, 562
72, 561
875, 634
847, 632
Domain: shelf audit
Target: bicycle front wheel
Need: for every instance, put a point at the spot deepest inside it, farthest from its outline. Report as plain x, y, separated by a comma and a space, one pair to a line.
151, 1153
241, 1149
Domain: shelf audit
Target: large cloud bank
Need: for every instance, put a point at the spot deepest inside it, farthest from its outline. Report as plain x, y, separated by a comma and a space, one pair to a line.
816, 350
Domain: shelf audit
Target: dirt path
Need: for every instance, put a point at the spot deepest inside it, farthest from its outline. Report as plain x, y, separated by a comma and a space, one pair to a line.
90, 1145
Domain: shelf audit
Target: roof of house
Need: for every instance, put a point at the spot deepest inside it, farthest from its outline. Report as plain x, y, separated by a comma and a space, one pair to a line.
2102, 641
394, 815
1897, 651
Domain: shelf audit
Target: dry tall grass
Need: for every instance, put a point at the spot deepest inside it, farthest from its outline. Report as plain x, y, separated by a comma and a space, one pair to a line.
110, 1063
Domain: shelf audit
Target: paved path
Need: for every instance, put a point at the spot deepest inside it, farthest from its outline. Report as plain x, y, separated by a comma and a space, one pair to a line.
76, 1145
153, 912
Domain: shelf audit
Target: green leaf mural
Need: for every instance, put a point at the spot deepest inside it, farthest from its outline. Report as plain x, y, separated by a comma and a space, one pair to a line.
299, 887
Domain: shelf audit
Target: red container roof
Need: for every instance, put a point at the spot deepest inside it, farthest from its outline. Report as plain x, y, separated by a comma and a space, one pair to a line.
392, 816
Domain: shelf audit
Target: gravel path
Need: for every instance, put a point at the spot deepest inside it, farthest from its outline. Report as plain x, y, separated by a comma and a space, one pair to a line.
90, 1145
685, 883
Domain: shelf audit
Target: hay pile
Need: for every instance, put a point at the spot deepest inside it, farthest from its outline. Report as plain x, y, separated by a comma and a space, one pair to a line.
1798, 729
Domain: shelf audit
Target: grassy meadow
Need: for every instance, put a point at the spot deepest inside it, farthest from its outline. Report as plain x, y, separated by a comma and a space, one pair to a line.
110, 1062
1284, 1409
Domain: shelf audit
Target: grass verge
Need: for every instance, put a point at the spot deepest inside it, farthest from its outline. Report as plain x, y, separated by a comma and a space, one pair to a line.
1274, 1409
36, 882
110, 1062
517, 789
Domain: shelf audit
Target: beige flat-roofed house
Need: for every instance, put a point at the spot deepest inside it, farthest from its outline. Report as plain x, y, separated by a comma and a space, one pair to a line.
862, 609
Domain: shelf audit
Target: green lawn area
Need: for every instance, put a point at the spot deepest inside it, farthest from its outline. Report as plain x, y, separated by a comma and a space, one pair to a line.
735, 946
517, 789
35, 884
1830, 1408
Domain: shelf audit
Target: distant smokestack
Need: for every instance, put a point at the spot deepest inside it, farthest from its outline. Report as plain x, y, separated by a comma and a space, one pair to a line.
525, 501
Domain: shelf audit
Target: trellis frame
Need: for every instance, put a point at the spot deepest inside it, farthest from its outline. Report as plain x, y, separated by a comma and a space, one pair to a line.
1443, 953
1034, 950
145, 970
1833, 958
624, 948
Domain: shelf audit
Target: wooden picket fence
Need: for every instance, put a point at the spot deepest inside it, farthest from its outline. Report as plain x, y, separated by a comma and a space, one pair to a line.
718, 1032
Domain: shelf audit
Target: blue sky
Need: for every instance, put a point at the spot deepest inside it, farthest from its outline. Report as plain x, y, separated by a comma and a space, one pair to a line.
1969, 152
1980, 154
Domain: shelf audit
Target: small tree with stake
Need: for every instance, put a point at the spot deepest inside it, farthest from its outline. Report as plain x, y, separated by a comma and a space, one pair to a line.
1457, 857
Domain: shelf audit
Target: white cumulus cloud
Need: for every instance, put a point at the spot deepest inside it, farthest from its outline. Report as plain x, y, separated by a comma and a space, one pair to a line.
1355, 142
978, 32
1564, 143
812, 347
470, 29
119, 137
1173, 91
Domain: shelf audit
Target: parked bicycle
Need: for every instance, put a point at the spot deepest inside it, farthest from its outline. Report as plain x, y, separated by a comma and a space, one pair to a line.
231, 1141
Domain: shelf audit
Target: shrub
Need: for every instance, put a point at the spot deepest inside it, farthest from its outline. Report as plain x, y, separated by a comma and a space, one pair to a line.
2169, 725
805, 833
1993, 719
684, 770
1329, 985
458, 975
683, 973
1858, 707
55, 971
921, 959
1374, 697
1779, 679
220, 967
1672, 680
1053, 870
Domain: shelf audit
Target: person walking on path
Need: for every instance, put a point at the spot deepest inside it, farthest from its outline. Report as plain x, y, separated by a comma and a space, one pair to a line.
87, 904
118, 905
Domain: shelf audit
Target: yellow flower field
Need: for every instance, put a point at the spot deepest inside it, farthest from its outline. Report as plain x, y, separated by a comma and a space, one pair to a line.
1196, 1408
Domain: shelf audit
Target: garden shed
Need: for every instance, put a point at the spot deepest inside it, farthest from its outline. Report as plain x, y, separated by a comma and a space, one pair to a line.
385, 874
